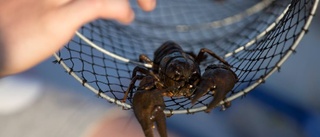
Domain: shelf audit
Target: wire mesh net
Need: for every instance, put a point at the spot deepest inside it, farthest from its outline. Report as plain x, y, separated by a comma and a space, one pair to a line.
254, 37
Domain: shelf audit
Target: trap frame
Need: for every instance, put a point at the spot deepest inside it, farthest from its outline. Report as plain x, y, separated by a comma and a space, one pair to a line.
254, 37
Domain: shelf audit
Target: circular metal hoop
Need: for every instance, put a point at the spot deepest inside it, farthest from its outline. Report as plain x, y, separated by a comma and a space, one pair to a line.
254, 53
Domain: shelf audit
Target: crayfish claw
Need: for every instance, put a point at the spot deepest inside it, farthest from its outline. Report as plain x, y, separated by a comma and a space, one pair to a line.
198, 94
148, 108
218, 79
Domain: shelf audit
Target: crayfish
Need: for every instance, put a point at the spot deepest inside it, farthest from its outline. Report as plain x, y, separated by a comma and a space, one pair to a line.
176, 73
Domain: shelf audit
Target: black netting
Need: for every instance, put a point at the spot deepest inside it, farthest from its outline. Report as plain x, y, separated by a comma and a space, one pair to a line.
255, 37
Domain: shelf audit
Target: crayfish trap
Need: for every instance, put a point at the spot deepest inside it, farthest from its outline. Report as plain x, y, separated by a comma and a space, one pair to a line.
254, 37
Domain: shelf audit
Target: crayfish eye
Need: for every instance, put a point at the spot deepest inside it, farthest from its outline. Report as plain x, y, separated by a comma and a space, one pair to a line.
194, 76
177, 75
213, 88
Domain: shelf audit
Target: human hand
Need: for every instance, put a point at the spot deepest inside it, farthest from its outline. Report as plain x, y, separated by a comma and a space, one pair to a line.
32, 30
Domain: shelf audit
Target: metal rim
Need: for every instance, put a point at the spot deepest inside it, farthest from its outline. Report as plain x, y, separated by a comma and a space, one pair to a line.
198, 109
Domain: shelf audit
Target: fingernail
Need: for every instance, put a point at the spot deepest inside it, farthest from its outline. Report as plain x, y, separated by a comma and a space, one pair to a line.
130, 18
152, 4
149, 5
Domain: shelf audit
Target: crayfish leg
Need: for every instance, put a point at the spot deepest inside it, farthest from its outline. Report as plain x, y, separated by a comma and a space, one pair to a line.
225, 106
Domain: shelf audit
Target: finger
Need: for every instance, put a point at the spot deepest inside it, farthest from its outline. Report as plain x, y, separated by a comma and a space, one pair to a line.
147, 5
117, 9
62, 22
79, 12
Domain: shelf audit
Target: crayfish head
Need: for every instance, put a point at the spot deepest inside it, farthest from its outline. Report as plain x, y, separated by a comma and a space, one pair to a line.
182, 74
